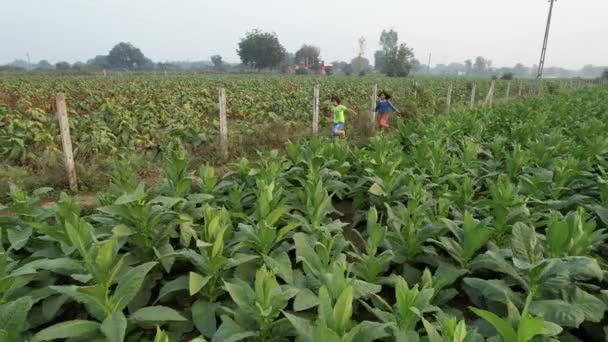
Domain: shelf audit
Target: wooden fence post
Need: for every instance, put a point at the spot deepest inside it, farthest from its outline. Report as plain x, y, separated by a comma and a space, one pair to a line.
449, 99
521, 88
66, 140
372, 114
315, 110
223, 124
473, 93
490, 97
508, 91
104, 72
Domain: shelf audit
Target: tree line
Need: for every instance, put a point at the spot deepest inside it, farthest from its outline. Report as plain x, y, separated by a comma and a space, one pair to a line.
260, 50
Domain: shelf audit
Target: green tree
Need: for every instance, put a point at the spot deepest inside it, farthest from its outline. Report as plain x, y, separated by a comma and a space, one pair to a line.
62, 66
78, 66
261, 50
126, 56
468, 67
394, 58
44, 65
605, 74
359, 65
481, 66
218, 63
379, 58
99, 62
309, 55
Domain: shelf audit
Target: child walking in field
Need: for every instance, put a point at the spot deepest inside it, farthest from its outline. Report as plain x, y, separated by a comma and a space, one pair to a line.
383, 108
339, 121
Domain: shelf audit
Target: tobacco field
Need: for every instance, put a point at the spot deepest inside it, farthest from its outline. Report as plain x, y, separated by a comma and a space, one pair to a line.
129, 114
485, 225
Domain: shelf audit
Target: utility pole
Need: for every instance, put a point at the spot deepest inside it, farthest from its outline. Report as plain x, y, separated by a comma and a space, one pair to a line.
428, 68
541, 64
29, 61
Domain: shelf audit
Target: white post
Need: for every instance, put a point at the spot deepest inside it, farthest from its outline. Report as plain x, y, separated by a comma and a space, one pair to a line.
315, 110
449, 99
373, 108
473, 93
104, 72
66, 140
521, 88
223, 124
508, 90
490, 97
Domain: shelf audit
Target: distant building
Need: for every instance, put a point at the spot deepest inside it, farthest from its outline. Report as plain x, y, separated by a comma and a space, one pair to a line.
310, 69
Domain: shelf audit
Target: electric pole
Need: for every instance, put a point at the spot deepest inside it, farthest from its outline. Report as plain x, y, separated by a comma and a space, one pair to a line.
543, 53
428, 68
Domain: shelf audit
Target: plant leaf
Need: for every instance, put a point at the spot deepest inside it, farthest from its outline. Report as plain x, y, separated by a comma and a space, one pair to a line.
64, 330
156, 314
114, 327
129, 285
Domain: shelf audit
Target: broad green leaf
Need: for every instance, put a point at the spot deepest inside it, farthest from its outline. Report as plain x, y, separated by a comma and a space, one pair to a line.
196, 282
203, 316
602, 213
501, 326
156, 314
129, 285
558, 312
529, 327
432, 333
13, 316
93, 303
524, 243
114, 327
18, 238
67, 329
303, 326
54, 265
495, 290
322, 333
230, 331
343, 309
304, 300
377, 190
175, 285
240, 292
51, 305
592, 307
105, 256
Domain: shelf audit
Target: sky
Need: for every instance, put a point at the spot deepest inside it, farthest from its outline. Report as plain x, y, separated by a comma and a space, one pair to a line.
506, 32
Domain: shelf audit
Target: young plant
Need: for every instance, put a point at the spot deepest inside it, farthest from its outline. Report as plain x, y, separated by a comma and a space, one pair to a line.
176, 182
410, 304
467, 240
451, 331
409, 229
334, 321
572, 235
519, 327
266, 231
258, 309
147, 224
505, 205
369, 264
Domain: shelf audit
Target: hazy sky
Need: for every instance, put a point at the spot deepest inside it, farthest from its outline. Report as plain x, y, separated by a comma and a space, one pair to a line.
506, 31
